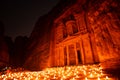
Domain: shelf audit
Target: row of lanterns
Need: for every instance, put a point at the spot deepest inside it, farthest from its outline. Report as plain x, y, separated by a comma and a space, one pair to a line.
84, 72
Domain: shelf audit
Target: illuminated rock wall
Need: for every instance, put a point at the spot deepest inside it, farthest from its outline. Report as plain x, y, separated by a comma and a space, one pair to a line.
104, 20
84, 32
37, 51
94, 28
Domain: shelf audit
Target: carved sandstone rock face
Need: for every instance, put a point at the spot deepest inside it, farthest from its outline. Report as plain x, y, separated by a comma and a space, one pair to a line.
81, 33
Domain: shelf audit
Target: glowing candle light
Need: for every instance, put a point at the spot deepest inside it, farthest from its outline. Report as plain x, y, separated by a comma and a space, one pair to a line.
98, 75
4, 79
73, 72
86, 78
98, 78
95, 73
101, 73
73, 79
84, 72
77, 76
91, 75
106, 77
61, 79
54, 77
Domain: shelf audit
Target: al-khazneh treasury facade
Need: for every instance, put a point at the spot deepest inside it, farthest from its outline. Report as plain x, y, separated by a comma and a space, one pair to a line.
75, 32
72, 43
85, 36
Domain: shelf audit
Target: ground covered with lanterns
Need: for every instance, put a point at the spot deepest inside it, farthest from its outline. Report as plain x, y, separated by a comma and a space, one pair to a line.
83, 72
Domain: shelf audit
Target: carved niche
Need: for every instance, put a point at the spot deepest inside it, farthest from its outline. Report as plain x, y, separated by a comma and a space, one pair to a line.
71, 27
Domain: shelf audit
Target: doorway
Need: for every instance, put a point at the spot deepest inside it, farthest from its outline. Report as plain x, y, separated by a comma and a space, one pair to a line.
79, 57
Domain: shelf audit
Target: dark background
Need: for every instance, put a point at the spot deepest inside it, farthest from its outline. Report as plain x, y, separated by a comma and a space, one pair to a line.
20, 16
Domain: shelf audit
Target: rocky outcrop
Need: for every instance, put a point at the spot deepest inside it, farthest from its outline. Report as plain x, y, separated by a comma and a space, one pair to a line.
10, 46
18, 57
4, 54
75, 32
11, 53
104, 19
16, 50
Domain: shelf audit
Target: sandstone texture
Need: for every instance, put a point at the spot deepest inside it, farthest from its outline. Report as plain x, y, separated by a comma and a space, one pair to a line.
75, 32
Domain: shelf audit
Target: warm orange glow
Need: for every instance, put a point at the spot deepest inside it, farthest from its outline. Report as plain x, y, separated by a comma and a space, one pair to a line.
88, 72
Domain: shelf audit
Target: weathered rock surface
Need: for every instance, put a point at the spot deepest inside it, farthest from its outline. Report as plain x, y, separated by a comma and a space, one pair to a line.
11, 53
10, 45
4, 55
18, 56
75, 32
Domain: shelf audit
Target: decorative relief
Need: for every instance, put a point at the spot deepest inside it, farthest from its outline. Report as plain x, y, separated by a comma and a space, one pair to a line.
71, 27
64, 30
82, 24
59, 33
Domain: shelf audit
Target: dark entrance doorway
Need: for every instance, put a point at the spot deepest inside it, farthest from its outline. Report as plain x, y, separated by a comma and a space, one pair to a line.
79, 57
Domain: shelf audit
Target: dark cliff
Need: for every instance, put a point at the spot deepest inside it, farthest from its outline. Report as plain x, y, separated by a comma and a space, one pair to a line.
4, 54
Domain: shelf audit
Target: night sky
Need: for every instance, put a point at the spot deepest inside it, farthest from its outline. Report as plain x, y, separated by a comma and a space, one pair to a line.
19, 16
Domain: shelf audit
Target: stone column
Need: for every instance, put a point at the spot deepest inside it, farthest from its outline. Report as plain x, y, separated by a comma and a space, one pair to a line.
55, 57
58, 56
82, 51
65, 55
76, 56
61, 55
68, 60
